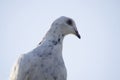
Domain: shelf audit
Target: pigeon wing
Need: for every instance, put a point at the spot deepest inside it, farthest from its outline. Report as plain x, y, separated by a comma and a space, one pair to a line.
20, 69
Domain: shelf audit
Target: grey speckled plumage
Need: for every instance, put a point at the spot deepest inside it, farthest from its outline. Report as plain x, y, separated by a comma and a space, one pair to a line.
45, 62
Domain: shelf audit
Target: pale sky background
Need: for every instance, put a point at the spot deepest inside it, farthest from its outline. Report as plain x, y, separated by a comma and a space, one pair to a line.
23, 23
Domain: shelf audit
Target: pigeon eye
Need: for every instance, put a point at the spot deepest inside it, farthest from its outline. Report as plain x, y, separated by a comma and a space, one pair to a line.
69, 22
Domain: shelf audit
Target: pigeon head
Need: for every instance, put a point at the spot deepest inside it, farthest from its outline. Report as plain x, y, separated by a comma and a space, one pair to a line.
65, 26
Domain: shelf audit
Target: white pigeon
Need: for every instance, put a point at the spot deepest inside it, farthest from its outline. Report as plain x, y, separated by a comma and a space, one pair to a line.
45, 62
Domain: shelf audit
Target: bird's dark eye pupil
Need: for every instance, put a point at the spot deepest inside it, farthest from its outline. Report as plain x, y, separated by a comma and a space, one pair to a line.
69, 22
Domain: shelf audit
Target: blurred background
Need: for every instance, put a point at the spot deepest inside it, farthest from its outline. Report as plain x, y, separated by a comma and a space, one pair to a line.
23, 24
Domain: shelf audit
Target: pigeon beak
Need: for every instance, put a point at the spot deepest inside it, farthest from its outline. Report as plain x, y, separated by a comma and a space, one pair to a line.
77, 34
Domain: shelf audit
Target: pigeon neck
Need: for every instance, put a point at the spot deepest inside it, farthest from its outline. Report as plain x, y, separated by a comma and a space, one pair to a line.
54, 37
